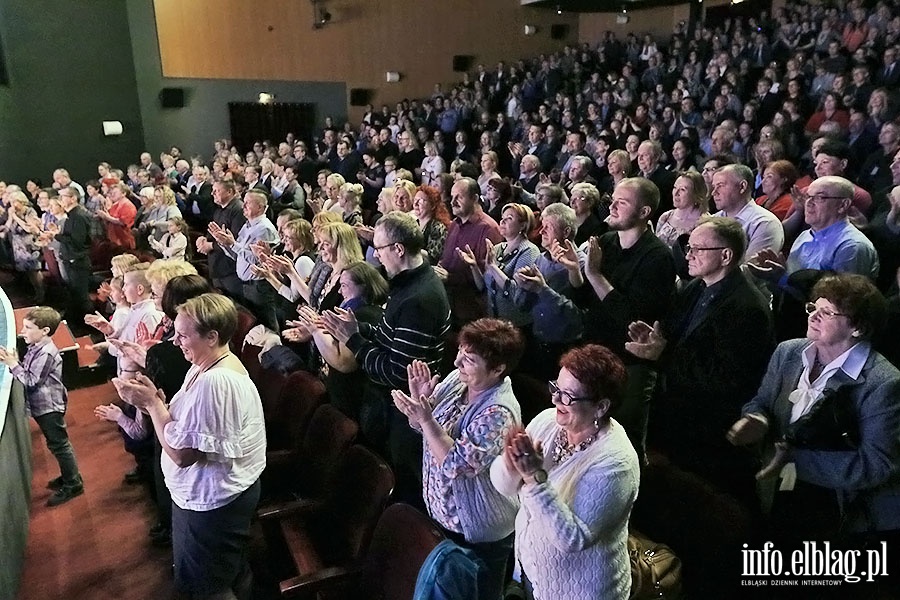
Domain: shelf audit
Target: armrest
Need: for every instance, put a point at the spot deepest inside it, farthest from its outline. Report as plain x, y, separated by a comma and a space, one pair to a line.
303, 506
320, 580
279, 459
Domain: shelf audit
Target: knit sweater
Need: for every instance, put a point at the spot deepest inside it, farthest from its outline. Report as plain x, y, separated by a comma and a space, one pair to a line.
415, 321
458, 490
572, 531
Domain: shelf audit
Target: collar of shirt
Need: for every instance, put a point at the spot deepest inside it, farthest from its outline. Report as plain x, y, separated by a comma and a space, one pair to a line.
834, 230
850, 362
38, 345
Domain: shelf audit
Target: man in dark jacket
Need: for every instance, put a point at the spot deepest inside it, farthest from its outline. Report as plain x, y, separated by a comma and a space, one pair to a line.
711, 353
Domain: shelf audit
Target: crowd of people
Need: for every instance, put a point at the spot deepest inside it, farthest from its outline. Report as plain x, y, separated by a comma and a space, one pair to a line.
696, 243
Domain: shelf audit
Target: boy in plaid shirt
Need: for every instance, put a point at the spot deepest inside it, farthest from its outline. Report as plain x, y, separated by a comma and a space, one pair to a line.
45, 396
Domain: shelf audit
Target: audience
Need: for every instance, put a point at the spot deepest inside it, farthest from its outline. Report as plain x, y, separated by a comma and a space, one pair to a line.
723, 100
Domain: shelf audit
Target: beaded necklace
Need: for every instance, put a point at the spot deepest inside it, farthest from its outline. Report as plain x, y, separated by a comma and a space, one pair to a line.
563, 450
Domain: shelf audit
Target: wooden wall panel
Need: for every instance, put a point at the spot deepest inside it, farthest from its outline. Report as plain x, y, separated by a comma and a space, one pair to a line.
657, 21
275, 40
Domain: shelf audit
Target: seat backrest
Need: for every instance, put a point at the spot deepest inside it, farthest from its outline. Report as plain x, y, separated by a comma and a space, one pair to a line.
250, 359
403, 539
329, 435
301, 395
246, 322
358, 492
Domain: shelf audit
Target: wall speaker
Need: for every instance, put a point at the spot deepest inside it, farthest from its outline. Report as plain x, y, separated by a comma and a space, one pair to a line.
360, 96
559, 31
172, 97
462, 63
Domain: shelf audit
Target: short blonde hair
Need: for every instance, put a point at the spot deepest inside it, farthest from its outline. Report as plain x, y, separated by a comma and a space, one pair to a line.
325, 217
212, 312
160, 272
138, 273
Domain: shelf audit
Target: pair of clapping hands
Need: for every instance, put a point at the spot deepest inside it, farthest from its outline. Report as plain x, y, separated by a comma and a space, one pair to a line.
339, 323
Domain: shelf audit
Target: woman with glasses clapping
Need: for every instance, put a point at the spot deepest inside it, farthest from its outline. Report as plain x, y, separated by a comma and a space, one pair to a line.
576, 475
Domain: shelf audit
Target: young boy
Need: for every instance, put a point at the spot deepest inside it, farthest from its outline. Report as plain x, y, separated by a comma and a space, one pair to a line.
46, 397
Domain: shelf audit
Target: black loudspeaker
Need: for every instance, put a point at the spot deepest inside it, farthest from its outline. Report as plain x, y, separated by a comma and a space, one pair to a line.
360, 96
171, 97
559, 31
462, 63
4, 74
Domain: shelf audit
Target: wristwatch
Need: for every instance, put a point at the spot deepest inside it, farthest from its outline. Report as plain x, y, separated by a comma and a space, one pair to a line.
539, 476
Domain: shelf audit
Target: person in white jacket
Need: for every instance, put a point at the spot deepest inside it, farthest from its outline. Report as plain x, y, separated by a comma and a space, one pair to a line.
576, 475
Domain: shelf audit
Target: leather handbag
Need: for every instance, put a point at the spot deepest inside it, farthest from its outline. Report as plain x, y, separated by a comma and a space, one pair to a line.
830, 424
655, 570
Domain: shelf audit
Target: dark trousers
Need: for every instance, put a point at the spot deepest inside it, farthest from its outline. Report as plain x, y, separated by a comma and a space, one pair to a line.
210, 547
53, 426
163, 498
78, 281
230, 285
260, 295
633, 413
495, 556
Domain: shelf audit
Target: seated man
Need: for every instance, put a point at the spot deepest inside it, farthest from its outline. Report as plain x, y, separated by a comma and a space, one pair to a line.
732, 191
711, 352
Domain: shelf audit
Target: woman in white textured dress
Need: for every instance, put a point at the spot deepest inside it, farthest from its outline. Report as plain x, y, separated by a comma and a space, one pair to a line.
576, 475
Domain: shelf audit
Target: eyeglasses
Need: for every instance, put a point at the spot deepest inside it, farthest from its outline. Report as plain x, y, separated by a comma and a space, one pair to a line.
812, 309
688, 249
379, 248
565, 398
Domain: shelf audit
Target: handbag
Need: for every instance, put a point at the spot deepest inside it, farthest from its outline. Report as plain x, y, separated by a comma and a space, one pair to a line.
829, 424
655, 570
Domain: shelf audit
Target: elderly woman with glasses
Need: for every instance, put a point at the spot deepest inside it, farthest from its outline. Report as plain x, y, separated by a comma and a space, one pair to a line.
464, 421
576, 475
828, 409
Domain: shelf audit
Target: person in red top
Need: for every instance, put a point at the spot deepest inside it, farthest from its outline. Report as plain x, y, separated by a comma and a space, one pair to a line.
831, 109
778, 178
119, 217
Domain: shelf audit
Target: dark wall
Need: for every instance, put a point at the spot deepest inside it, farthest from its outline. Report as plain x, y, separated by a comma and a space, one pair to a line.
70, 68
205, 116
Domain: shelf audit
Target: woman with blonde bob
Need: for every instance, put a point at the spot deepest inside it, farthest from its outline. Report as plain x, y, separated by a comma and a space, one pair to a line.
691, 201
214, 450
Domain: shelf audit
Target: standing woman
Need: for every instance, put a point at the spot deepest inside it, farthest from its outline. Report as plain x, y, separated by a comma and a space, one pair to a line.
20, 232
433, 220
489, 162
349, 203
464, 421
214, 449
502, 261
432, 165
618, 163
576, 475
164, 208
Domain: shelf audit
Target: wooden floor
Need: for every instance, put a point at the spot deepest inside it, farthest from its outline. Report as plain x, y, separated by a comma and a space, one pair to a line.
95, 546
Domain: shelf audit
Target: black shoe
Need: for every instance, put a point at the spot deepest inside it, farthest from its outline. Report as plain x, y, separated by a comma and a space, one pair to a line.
133, 477
55, 484
66, 493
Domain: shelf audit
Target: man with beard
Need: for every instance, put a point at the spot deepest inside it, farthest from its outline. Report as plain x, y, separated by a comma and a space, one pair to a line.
632, 278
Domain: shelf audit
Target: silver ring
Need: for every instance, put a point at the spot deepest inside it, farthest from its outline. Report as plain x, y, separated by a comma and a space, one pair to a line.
526, 454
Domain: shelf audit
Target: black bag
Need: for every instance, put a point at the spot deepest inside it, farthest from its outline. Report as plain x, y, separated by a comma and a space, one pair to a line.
831, 424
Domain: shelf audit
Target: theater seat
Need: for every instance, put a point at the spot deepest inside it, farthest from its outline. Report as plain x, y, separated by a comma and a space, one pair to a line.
303, 470
318, 535
246, 322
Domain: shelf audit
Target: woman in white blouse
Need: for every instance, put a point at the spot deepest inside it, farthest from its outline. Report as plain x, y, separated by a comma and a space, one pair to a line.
214, 450
576, 475
432, 165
